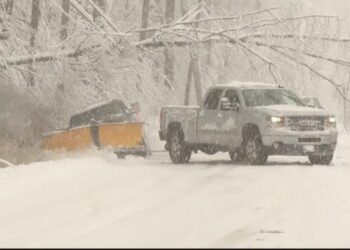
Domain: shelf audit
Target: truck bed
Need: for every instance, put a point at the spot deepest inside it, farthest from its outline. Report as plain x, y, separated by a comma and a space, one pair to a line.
184, 115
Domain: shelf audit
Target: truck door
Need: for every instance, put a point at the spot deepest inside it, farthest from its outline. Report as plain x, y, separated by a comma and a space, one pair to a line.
207, 117
228, 119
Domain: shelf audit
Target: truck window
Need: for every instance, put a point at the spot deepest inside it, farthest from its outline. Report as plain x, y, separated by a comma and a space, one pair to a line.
213, 99
114, 111
233, 97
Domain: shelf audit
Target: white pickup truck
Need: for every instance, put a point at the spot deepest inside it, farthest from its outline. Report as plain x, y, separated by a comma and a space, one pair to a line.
250, 121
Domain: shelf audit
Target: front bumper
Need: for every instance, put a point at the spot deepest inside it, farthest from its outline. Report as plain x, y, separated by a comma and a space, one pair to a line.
296, 149
297, 143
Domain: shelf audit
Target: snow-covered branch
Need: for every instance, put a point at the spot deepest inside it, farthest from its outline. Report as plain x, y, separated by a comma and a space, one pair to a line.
313, 70
204, 20
293, 36
43, 57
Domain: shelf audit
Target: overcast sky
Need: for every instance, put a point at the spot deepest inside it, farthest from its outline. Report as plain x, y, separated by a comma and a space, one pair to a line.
339, 8
331, 7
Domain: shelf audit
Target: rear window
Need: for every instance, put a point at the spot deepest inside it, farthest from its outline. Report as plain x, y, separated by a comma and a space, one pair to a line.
113, 111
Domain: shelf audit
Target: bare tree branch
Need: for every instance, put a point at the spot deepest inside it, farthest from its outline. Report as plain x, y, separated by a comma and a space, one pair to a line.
203, 20
292, 36
336, 86
43, 57
329, 59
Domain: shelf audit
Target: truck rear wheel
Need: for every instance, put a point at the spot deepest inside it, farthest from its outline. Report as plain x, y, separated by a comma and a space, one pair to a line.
320, 159
253, 150
233, 155
236, 156
121, 156
178, 151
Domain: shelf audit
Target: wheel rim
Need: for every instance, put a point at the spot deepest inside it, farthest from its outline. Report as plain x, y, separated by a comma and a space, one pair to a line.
175, 147
251, 150
232, 156
322, 160
188, 157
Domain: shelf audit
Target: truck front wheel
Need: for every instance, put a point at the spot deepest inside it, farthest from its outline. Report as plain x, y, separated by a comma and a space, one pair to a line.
253, 149
321, 159
178, 151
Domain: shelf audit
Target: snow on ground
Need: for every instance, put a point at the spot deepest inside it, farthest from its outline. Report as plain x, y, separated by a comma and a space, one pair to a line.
94, 200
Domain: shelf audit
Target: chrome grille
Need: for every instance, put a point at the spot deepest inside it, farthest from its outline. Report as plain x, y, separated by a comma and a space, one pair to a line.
306, 123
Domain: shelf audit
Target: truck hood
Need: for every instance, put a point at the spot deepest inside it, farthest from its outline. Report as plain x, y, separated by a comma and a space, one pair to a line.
290, 110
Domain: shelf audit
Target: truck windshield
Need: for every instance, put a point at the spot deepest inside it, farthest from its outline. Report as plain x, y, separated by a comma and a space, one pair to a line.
268, 97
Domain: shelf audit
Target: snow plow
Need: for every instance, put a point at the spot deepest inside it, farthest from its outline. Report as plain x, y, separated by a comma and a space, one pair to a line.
110, 125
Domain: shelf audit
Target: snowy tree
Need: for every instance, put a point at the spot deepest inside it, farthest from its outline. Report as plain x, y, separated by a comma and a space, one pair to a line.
66, 54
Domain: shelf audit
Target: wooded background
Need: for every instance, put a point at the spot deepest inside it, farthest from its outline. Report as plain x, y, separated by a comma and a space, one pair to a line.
57, 57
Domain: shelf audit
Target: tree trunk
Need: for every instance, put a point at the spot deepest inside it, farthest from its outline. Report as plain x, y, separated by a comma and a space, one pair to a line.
36, 14
169, 58
9, 6
193, 69
188, 83
169, 11
35, 18
65, 20
196, 72
144, 19
183, 7
102, 5
209, 45
197, 80
143, 36
126, 6
63, 36
190, 66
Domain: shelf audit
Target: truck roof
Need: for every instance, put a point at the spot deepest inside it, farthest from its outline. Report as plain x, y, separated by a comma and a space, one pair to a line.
248, 85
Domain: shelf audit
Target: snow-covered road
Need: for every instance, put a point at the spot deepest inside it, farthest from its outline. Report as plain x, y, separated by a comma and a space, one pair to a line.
95, 200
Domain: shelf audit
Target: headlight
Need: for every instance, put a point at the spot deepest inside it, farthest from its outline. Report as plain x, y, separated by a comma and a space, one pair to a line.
330, 122
278, 121
332, 119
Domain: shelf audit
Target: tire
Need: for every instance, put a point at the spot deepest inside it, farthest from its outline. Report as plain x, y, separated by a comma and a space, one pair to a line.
236, 156
320, 159
233, 155
178, 151
253, 150
121, 156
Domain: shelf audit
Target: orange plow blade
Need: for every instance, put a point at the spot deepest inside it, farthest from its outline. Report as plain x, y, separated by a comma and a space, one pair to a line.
124, 138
